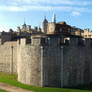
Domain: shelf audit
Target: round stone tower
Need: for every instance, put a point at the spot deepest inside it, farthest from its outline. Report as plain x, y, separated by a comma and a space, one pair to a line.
44, 25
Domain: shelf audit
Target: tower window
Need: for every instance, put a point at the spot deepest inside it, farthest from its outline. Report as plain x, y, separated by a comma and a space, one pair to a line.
60, 30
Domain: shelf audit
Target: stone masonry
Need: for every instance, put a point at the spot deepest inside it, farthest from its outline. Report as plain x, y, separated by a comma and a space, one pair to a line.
46, 61
49, 60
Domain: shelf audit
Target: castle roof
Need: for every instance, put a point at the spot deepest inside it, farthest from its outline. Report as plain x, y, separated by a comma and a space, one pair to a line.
62, 22
45, 20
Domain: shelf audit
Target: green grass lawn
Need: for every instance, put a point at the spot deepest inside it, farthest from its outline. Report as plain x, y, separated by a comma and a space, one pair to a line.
3, 90
12, 80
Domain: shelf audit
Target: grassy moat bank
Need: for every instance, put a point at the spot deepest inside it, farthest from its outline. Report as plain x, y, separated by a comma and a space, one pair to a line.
12, 80
1, 90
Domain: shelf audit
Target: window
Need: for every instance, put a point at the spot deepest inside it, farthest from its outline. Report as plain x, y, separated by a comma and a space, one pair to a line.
60, 30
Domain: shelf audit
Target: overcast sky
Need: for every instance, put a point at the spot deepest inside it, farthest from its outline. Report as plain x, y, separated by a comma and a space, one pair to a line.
74, 12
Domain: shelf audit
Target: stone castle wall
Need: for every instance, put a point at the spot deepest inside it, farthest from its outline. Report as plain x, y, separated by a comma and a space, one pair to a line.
8, 57
37, 62
29, 63
52, 63
48, 62
77, 63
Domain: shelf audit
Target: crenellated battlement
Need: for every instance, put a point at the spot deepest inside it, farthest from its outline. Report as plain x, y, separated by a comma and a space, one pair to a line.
79, 42
52, 41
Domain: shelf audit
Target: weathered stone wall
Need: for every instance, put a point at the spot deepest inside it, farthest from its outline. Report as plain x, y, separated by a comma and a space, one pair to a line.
52, 62
8, 57
47, 62
22, 62
29, 63
40, 62
77, 63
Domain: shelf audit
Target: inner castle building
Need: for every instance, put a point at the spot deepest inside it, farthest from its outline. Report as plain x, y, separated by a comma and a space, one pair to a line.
56, 55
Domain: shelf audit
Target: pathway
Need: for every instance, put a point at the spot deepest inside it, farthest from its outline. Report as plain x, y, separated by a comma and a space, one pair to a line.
10, 88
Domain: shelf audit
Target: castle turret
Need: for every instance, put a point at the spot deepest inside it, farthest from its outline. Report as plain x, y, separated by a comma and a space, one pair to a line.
28, 28
24, 26
39, 29
44, 25
18, 29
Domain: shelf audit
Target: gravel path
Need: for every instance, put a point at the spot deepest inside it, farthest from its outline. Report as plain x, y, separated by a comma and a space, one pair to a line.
10, 88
